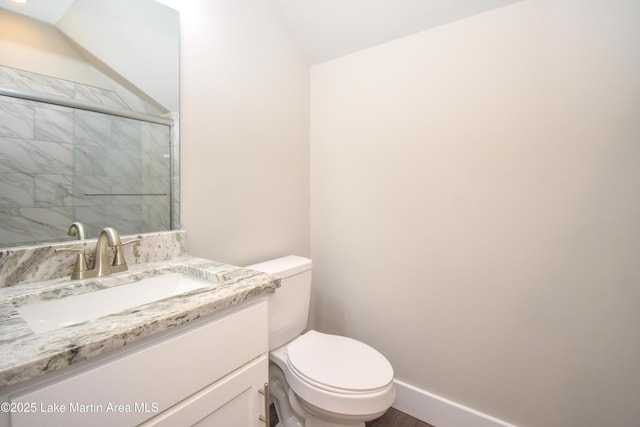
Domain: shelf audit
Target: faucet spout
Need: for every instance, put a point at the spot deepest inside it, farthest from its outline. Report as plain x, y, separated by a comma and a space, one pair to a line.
108, 237
102, 266
77, 229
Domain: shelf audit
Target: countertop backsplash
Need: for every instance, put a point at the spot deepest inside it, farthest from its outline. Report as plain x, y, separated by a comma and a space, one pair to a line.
38, 263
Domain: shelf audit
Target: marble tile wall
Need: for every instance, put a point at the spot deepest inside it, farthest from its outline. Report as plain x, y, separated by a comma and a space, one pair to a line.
52, 156
25, 80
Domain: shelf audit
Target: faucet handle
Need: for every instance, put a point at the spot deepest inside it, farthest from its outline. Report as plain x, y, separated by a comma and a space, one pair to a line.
80, 265
119, 258
128, 242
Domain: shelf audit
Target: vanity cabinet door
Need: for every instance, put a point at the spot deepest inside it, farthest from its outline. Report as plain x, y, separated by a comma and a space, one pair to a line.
235, 400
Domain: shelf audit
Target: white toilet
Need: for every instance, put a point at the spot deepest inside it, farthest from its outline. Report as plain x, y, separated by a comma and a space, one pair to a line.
316, 379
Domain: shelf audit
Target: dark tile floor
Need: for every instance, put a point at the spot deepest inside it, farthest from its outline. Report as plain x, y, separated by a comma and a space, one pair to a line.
395, 418
392, 418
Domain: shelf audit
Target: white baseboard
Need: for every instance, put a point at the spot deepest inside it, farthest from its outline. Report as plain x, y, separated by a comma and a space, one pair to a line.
439, 411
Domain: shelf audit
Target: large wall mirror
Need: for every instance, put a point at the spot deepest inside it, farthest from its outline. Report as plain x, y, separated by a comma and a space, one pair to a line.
89, 108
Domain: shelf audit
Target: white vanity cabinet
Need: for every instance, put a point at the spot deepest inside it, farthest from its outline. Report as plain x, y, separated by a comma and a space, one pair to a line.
236, 400
207, 374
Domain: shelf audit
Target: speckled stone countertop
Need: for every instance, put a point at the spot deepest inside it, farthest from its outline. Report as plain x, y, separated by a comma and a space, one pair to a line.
27, 355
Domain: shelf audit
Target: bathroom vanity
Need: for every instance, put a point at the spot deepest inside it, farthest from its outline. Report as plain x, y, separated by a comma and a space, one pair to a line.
199, 357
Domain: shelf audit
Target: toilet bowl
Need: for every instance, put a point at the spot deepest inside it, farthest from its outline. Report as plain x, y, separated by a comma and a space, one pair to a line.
318, 379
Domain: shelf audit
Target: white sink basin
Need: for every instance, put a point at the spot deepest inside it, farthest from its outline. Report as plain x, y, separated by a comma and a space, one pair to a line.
58, 313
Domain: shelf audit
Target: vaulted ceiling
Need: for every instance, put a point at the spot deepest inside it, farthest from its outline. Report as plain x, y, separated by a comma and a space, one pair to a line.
327, 29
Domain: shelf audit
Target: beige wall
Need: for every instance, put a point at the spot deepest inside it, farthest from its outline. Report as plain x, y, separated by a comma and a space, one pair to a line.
474, 209
31, 45
35, 46
142, 47
244, 132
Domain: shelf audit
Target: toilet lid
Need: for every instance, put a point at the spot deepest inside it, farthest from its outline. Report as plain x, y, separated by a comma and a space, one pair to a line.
338, 363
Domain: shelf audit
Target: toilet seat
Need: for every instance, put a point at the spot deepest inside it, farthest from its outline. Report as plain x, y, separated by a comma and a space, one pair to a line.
338, 364
371, 391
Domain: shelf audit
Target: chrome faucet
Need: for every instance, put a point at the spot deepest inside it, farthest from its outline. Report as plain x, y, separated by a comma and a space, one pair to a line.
108, 237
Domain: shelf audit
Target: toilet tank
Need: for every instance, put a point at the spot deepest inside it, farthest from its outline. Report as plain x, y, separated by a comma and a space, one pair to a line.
289, 306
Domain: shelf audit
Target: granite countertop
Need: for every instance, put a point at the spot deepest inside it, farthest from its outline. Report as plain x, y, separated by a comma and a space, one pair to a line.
27, 355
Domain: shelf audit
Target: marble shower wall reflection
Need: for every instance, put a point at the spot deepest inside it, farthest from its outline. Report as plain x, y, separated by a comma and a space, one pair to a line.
52, 158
